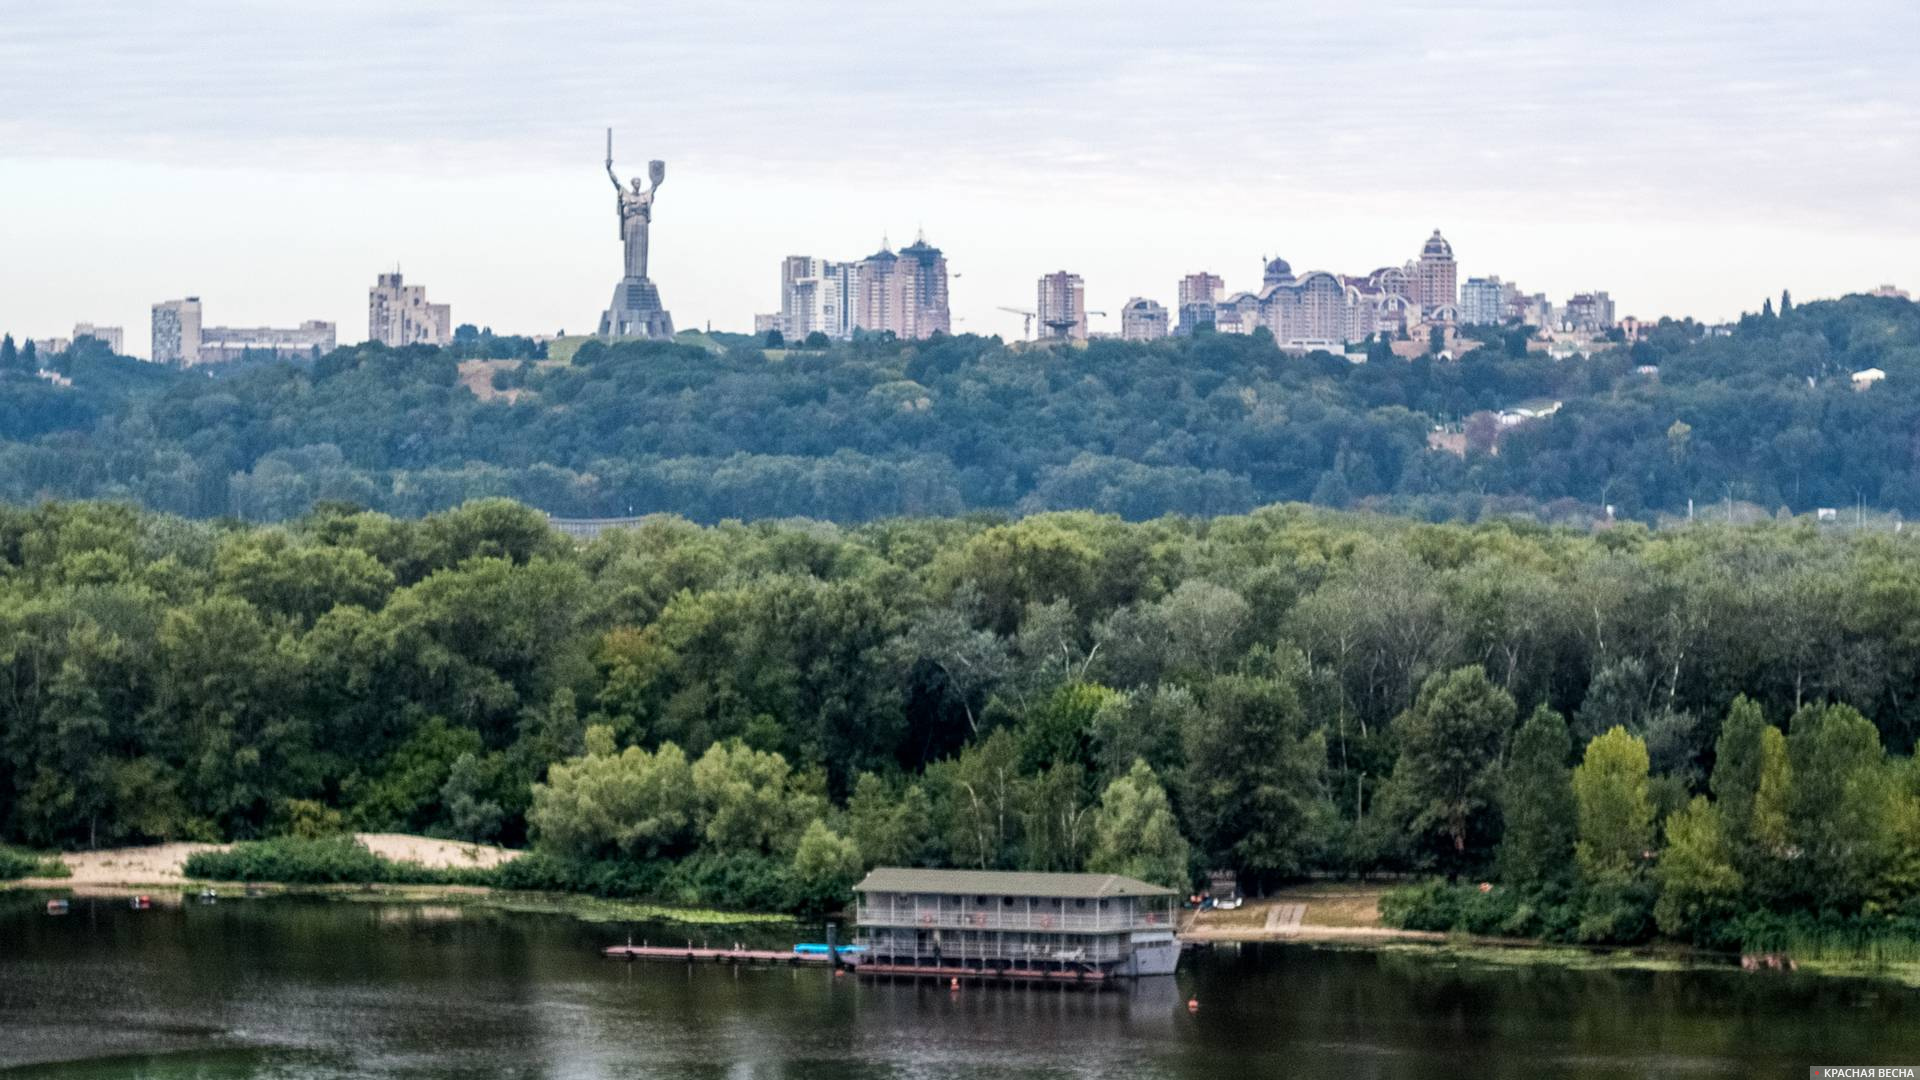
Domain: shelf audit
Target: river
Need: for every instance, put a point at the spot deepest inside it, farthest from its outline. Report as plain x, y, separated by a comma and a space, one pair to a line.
300, 988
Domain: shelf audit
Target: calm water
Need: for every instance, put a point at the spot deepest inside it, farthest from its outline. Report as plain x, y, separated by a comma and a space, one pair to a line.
313, 988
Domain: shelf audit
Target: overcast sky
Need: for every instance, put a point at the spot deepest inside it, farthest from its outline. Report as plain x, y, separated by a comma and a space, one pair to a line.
271, 158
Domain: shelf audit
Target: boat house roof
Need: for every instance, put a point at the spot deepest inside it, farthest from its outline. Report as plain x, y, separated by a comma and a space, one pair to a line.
1006, 883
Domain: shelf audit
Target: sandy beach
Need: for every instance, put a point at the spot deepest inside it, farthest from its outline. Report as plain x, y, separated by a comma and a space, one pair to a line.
164, 864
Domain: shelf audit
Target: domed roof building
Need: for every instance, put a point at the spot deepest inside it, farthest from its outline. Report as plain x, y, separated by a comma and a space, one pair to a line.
1437, 282
1278, 272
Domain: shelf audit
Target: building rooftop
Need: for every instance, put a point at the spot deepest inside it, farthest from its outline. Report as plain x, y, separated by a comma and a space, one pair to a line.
1005, 883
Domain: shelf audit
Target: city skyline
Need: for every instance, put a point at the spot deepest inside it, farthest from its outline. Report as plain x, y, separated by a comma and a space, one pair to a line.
1661, 154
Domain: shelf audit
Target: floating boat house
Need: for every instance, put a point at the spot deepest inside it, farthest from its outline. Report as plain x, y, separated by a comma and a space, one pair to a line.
1073, 927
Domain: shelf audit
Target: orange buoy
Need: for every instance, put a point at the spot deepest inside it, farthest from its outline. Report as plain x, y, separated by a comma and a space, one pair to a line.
1193, 1004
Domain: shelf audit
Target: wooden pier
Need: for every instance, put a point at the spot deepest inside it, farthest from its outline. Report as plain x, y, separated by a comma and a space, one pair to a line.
689, 954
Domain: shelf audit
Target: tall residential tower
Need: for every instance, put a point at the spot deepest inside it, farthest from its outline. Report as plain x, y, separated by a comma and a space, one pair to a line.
1062, 307
398, 314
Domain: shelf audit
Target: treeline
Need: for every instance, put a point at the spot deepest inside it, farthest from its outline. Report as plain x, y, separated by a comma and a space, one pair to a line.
764, 711
1805, 840
877, 428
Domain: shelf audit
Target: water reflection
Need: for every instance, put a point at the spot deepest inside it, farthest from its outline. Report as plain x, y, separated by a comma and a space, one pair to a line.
303, 988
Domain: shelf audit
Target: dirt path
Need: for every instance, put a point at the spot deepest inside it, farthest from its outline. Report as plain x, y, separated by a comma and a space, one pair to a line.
1325, 911
165, 864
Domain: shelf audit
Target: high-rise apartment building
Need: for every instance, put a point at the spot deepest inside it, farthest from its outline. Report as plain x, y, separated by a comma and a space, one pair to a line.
1062, 307
176, 332
1198, 295
1590, 312
1436, 279
398, 314
1484, 301
113, 337
817, 295
904, 292
1143, 320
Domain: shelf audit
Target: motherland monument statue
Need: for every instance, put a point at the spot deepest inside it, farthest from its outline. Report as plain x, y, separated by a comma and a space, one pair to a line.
636, 310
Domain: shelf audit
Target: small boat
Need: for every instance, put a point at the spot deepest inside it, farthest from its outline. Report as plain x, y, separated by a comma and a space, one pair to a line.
141, 902
208, 896
813, 949
58, 907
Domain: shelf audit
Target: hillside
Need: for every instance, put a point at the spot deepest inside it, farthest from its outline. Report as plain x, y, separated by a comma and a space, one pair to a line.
1766, 417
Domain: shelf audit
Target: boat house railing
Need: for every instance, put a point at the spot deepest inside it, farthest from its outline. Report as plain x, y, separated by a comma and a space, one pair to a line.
1032, 914
990, 947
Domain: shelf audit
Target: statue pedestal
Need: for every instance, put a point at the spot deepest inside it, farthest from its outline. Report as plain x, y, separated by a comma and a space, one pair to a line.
636, 312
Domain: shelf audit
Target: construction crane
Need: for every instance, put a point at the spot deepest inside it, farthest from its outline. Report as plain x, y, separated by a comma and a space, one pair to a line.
1026, 329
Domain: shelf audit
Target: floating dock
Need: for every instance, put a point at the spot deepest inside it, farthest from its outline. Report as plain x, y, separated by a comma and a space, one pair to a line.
689, 954
1080, 976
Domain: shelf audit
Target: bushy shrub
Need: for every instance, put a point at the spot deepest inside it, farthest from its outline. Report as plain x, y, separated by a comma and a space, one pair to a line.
21, 864
327, 860
742, 881
1548, 913
619, 879
1825, 936
739, 882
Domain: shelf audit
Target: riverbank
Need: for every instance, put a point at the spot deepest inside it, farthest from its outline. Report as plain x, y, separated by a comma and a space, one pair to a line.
164, 865
1347, 915
160, 869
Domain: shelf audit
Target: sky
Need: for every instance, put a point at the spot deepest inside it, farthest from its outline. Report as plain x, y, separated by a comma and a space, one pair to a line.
1691, 158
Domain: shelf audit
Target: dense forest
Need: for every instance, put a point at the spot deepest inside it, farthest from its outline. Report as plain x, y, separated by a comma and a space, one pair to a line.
1682, 730
1763, 419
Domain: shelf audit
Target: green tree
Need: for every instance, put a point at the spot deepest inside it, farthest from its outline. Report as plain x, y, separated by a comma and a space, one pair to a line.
1447, 777
632, 803
1699, 887
751, 800
1056, 820
825, 866
1842, 806
977, 803
1615, 812
1254, 782
1537, 804
891, 823
1060, 730
1751, 783
1135, 833
473, 810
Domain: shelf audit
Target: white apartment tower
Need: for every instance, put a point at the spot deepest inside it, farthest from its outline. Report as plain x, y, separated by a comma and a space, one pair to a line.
1484, 301
176, 331
817, 295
